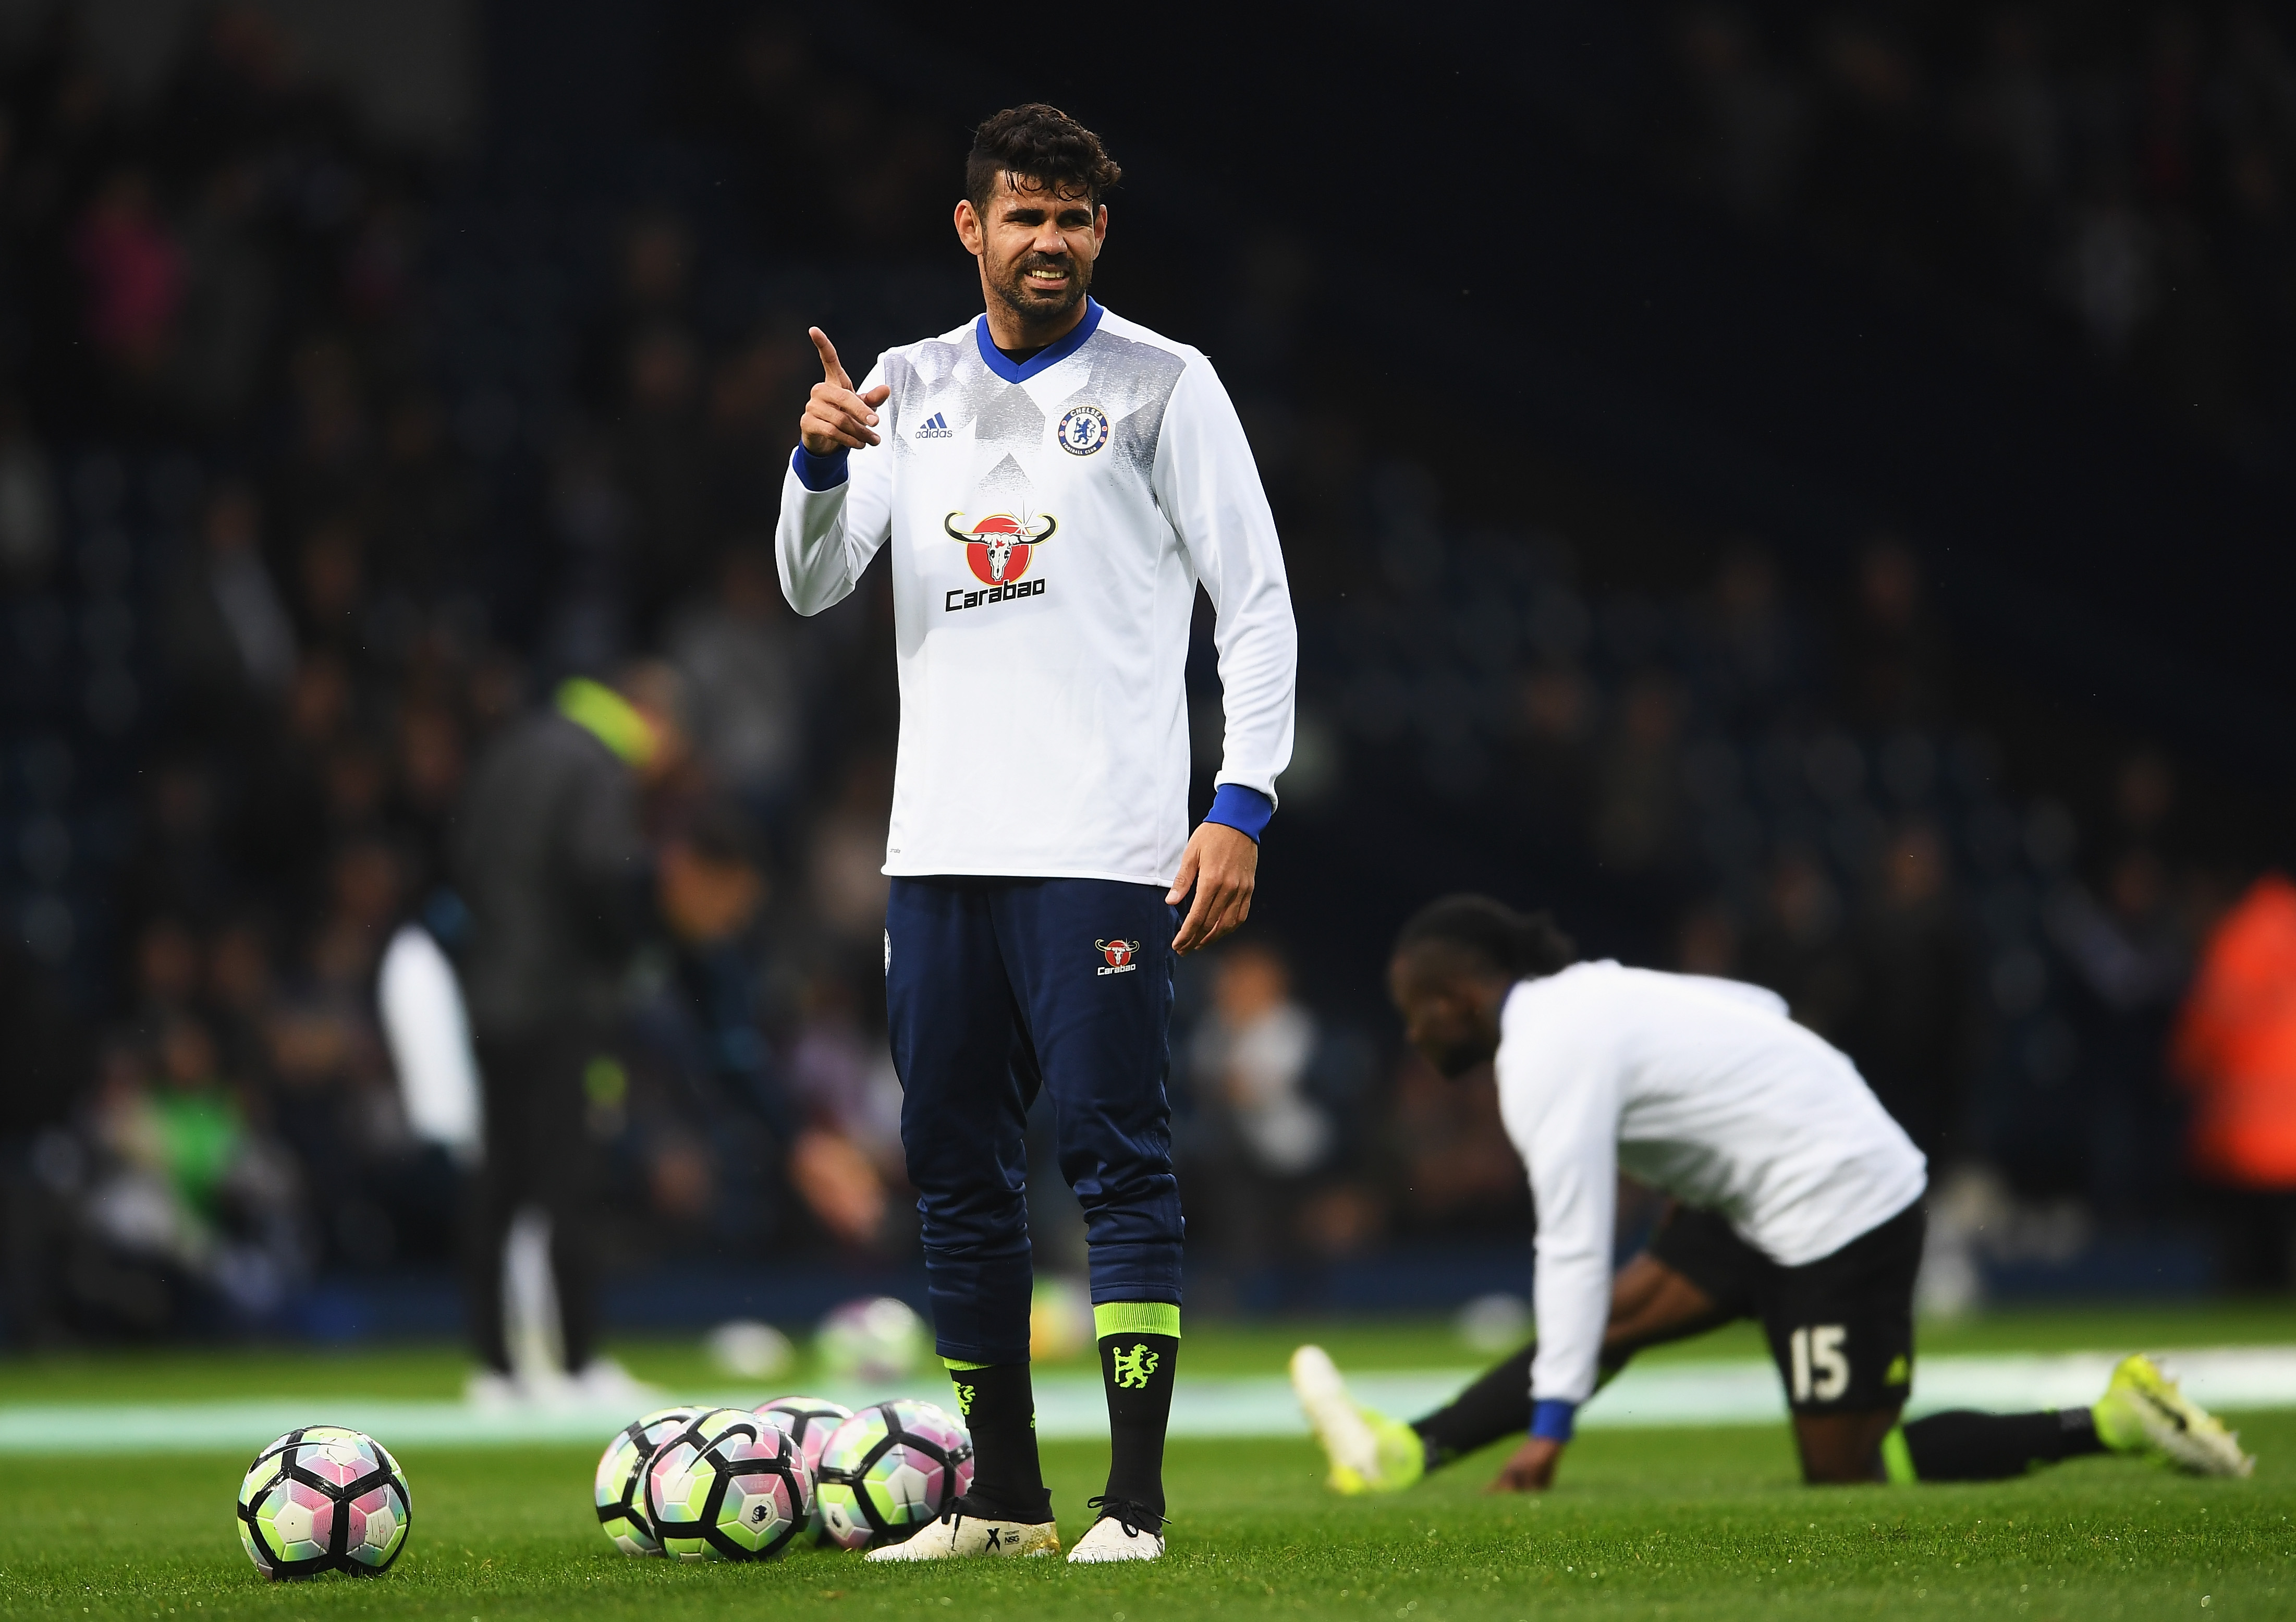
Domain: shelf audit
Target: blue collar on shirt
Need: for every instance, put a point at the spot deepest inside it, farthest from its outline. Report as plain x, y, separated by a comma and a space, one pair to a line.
1020, 371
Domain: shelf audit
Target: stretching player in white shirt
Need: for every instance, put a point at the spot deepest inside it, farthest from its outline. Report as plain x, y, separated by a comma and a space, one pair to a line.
1798, 1205
1054, 483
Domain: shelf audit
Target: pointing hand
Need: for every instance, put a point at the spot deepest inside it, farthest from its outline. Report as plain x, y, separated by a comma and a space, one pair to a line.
835, 417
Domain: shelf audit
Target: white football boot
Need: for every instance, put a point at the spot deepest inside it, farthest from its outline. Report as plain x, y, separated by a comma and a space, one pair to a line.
605, 1381
493, 1392
1369, 1452
1123, 1532
959, 1535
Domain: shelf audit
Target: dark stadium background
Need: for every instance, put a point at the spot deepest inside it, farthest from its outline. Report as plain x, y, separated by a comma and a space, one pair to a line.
1727, 454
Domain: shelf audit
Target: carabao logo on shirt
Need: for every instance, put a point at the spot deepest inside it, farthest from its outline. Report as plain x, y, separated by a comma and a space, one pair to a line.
999, 546
1122, 955
998, 549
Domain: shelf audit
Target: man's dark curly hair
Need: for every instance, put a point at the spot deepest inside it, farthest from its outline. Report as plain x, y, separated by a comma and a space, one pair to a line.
1522, 945
1040, 143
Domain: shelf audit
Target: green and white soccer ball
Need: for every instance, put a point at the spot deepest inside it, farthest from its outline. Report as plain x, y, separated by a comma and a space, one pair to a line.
728, 1486
621, 1490
323, 1498
890, 1470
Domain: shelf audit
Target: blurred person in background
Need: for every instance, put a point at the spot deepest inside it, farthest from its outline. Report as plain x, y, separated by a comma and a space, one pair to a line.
710, 887
190, 1219
2235, 1054
842, 1075
735, 647
552, 864
230, 640
2131, 959
846, 863
1262, 1133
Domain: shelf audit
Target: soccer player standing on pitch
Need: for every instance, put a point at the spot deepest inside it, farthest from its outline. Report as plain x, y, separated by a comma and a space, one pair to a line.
1055, 482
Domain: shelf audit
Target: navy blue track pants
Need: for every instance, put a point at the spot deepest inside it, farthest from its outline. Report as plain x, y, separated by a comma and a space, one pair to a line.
994, 988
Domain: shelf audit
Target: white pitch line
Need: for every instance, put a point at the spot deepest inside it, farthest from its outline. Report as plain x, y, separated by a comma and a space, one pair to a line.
1070, 1406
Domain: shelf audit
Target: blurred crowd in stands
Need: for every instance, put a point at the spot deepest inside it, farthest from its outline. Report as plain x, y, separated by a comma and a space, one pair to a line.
320, 465
2127, 172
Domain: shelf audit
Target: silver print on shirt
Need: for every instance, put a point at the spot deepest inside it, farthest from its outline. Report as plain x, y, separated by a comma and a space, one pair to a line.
1118, 403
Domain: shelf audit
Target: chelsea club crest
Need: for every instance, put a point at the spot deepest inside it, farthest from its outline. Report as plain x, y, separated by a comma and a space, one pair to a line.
1083, 430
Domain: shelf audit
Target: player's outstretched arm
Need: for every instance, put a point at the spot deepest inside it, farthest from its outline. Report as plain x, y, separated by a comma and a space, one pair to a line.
838, 417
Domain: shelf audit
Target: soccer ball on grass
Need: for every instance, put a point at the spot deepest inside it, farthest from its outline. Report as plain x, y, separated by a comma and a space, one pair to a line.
323, 1498
870, 1341
810, 1421
727, 1486
621, 1478
890, 1470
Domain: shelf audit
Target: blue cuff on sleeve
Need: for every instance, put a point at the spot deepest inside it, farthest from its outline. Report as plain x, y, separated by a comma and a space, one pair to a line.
1549, 1419
819, 473
1245, 810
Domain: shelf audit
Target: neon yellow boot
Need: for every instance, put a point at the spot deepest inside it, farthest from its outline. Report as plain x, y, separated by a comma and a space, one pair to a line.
2142, 1411
1369, 1452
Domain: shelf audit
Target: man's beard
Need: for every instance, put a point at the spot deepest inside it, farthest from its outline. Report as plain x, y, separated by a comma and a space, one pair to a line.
1034, 310
1459, 1060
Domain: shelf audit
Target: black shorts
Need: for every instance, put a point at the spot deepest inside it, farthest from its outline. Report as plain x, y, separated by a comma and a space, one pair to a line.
1840, 1328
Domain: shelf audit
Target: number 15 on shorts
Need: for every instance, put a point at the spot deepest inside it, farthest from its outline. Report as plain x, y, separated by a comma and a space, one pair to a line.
1821, 1368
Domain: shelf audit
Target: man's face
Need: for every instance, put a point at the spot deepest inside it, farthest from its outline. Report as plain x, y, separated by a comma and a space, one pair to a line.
1036, 247
1446, 1014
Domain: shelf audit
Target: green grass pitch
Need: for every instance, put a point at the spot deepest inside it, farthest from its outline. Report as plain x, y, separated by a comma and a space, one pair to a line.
1676, 1523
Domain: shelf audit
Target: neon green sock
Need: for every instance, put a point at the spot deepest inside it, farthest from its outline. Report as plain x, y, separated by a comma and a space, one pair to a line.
1897, 1459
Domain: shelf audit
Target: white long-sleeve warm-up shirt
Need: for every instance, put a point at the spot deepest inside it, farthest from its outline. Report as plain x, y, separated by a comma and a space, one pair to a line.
1701, 1087
1050, 522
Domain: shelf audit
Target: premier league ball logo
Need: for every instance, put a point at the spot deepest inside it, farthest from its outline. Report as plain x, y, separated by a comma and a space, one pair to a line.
999, 546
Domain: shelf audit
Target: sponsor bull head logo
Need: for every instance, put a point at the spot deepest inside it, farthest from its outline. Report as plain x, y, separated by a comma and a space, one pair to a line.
1119, 953
999, 546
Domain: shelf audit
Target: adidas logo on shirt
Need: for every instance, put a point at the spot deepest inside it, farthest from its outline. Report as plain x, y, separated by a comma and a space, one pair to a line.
936, 427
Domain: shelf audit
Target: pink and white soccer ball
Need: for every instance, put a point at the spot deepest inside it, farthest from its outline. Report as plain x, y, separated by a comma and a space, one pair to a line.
891, 1469
728, 1487
323, 1498
621, 1482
